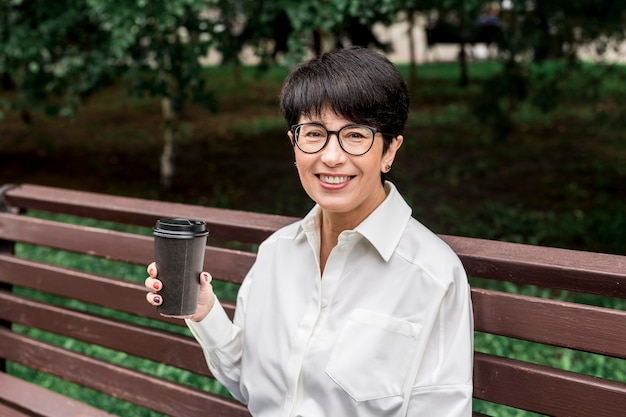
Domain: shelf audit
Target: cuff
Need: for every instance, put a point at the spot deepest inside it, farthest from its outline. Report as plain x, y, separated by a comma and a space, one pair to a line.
214, 330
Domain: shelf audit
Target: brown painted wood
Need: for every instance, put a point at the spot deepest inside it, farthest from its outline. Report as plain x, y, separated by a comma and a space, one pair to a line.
589, 272
24, 399
226, 264
148, 391
546, 390
576, 326
5, 411
501, 380
223, 224
90, 288
159, 346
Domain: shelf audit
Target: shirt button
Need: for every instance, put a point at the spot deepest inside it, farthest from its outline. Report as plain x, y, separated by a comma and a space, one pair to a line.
324, 303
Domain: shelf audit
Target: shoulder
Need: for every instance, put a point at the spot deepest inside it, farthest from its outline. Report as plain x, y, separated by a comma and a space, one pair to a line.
427, 251
288, 232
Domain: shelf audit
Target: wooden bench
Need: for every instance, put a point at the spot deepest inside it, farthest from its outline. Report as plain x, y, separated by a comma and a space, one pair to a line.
108, 313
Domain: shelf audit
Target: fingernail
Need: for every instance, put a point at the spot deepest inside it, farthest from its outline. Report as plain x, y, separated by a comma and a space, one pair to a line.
157, 299
151, 271
206, 277
156, 286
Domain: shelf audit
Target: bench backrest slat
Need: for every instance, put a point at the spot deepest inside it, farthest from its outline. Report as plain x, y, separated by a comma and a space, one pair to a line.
588, 272
223, 223
82, 286
123, 383
546, 390
163, 347
226, 264
25, 402
551, 322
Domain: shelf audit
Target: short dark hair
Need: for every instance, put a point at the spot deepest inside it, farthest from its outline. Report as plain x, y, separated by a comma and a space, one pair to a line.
357, 83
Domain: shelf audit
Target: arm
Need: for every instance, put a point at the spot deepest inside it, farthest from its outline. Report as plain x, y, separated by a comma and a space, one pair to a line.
220, 338
450, 393
222, 342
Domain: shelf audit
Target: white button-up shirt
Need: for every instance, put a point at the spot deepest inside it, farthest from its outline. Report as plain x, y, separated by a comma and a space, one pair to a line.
386, 330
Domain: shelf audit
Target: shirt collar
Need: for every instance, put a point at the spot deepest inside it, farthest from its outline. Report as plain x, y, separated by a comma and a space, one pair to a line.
383, 228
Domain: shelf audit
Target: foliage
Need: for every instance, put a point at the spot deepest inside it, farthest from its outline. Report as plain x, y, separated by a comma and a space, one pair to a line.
557, 29
53, 53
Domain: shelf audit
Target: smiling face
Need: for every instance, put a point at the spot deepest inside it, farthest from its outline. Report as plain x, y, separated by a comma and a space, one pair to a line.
343, 184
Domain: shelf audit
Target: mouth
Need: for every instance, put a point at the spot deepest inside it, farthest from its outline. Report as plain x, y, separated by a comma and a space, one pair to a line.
335, 180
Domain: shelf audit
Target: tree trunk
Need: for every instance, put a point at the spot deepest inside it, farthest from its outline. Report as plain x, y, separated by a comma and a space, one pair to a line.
170, 133
464, 78
412, 56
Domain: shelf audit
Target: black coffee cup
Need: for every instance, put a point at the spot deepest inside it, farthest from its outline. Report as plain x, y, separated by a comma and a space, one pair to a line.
179, 246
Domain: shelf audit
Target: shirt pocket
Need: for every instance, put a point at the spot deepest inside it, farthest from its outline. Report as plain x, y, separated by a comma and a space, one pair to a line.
373, 355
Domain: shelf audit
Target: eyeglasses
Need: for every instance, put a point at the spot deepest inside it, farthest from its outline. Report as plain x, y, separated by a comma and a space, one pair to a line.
353, 139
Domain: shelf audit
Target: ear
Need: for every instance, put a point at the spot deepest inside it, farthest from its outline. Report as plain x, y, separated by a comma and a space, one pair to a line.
290, 134
390, 155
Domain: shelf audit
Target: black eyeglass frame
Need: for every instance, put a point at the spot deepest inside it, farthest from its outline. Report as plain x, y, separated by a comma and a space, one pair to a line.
336, 133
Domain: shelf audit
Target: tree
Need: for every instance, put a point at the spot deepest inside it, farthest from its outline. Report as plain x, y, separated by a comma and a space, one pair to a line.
160, 44
536, 32
58, 53
553, 29
53, 54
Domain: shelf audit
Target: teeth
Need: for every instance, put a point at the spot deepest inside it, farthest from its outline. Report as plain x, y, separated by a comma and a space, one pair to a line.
333, 180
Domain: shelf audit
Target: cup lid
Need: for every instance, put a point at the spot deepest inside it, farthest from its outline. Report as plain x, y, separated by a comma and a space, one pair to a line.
180, 228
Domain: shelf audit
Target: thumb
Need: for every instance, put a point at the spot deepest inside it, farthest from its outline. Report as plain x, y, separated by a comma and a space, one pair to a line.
206, 297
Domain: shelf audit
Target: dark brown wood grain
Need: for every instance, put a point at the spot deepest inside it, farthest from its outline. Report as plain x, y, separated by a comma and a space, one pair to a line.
159, 346
139, 388
546, 390
588, 272
501, 380
592, 329
223, 223
103, 291
23, 399
225, 264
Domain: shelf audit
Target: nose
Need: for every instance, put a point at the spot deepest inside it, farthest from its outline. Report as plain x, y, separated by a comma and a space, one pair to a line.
332, 154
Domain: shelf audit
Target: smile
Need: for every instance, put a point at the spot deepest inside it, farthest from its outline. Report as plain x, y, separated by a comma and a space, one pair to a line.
334, 180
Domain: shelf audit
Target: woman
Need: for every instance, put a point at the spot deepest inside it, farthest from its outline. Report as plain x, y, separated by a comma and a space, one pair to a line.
358, 309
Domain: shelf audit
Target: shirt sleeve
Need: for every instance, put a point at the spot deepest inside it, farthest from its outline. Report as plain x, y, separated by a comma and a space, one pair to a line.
222, 343
450, 394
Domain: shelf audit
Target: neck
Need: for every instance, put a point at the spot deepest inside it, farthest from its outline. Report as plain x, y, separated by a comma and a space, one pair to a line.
333, 223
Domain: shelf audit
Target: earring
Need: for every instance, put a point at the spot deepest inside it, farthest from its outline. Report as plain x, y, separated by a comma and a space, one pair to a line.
295, 164
387, 168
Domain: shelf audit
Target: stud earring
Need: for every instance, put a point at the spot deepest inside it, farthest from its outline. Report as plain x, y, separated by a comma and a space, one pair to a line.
387, 168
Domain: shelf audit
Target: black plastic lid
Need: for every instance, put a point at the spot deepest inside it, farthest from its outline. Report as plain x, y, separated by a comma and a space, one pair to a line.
180, 228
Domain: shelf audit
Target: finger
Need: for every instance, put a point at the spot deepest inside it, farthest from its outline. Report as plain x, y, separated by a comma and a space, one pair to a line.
206, 296
153, 284
152, 270
205, 278
154, 299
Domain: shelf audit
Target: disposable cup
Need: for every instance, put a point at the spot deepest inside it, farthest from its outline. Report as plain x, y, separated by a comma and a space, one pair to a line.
179, 246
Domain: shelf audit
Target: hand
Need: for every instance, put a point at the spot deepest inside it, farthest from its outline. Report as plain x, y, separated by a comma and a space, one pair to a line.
206, 296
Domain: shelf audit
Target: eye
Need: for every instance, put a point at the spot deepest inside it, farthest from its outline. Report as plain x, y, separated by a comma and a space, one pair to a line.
311, 133
355, 133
